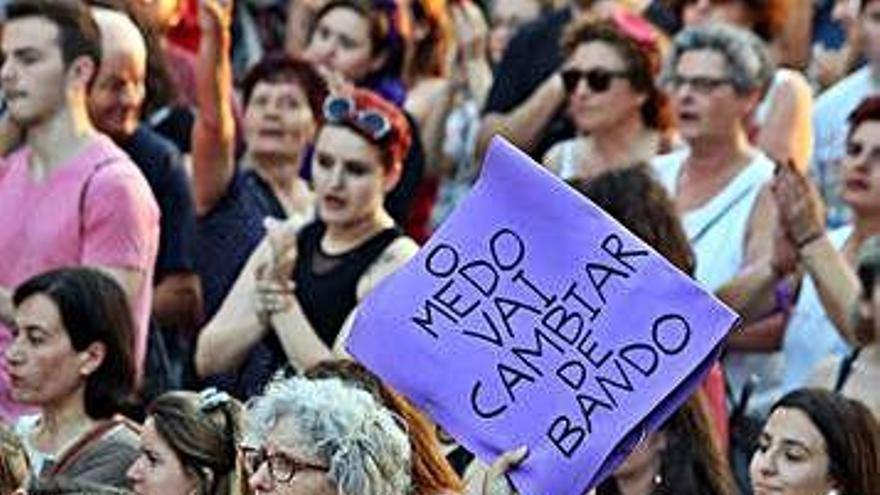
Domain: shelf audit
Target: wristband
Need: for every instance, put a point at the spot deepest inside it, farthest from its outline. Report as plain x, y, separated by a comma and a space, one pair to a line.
783, 295
810, 238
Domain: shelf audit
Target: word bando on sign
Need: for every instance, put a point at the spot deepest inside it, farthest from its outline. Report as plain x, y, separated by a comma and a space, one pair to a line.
532, 318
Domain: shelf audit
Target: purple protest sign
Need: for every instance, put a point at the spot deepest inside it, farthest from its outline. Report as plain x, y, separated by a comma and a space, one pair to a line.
532, 318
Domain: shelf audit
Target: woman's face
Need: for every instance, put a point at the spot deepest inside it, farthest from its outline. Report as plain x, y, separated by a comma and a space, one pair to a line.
158, 470
348, 178
860, 171
791, 458
44, 368
278, 119
341, 42
734, 12
610, 99
285, 444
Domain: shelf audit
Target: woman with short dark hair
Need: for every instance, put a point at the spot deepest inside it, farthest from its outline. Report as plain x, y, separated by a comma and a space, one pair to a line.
72, 356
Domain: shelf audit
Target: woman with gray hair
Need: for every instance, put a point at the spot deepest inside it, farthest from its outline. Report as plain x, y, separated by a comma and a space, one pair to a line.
716, 75
323, 437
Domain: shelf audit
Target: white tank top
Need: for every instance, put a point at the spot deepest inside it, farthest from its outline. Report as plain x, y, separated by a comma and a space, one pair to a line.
717, 233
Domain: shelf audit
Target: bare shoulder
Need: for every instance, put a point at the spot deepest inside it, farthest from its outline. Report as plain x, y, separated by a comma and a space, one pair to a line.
792, 80
825, 373
393, 257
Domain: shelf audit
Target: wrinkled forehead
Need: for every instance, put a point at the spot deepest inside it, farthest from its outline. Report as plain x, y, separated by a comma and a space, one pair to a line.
703, 62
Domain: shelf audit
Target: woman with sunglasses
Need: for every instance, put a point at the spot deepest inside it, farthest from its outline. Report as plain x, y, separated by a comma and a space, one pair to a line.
283, 99
781, 125
620, 115
296, 291
188, 445
323, 437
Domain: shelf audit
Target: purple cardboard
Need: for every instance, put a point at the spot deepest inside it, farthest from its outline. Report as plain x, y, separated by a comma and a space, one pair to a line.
533, 318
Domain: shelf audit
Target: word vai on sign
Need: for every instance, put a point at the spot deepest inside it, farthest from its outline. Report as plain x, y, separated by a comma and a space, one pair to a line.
532, 318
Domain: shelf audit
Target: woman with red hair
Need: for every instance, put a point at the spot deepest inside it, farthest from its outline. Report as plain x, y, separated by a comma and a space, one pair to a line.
291, 301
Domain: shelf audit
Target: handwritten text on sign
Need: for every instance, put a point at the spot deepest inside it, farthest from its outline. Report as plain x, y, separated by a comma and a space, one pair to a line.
532, 318
467, 301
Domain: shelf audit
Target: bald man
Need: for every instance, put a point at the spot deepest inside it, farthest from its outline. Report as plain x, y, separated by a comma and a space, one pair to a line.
114, 102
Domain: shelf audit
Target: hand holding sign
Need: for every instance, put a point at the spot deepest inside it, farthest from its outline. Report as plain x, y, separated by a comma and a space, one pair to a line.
532, 318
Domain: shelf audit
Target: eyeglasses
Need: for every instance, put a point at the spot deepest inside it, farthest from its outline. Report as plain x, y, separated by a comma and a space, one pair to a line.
700, 84
282, 468
598, 80
342, 110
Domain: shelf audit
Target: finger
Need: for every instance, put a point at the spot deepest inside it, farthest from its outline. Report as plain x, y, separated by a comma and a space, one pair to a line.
509, 459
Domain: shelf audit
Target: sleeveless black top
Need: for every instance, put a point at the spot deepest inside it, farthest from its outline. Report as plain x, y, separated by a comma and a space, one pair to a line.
326, 285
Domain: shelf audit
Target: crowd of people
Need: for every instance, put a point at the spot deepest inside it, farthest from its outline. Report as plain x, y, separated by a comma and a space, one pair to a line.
196, 195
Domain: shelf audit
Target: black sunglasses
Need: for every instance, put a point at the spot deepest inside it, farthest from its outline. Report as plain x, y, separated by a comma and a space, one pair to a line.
342, 110
598, 80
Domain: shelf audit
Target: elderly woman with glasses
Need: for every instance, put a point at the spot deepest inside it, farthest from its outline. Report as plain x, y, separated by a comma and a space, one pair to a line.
716, 75
322, 437
620, 114
290, 303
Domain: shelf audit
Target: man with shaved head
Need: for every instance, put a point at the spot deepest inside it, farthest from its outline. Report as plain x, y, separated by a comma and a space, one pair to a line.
115, 102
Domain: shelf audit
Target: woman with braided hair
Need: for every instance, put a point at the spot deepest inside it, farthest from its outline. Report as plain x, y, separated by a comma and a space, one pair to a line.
188, 446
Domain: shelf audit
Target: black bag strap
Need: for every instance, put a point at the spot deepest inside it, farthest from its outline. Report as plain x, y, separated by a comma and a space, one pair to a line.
845, 369
720, 214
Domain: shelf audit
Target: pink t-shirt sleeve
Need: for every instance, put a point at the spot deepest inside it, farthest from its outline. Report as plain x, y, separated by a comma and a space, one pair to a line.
121, 220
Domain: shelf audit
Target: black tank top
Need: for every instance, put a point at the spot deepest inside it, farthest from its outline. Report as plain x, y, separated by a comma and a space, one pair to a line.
326, 285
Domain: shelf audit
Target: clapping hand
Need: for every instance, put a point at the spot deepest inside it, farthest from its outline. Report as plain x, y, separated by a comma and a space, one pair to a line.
801, 212
274, 287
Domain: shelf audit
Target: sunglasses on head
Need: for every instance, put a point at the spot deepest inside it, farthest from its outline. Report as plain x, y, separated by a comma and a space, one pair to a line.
598, 80
342, 110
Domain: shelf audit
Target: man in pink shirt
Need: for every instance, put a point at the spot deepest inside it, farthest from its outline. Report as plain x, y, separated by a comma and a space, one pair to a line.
68, 196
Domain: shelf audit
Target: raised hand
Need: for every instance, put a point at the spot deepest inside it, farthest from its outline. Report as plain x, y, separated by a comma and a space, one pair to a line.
800, 207
471, 31
215, 16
